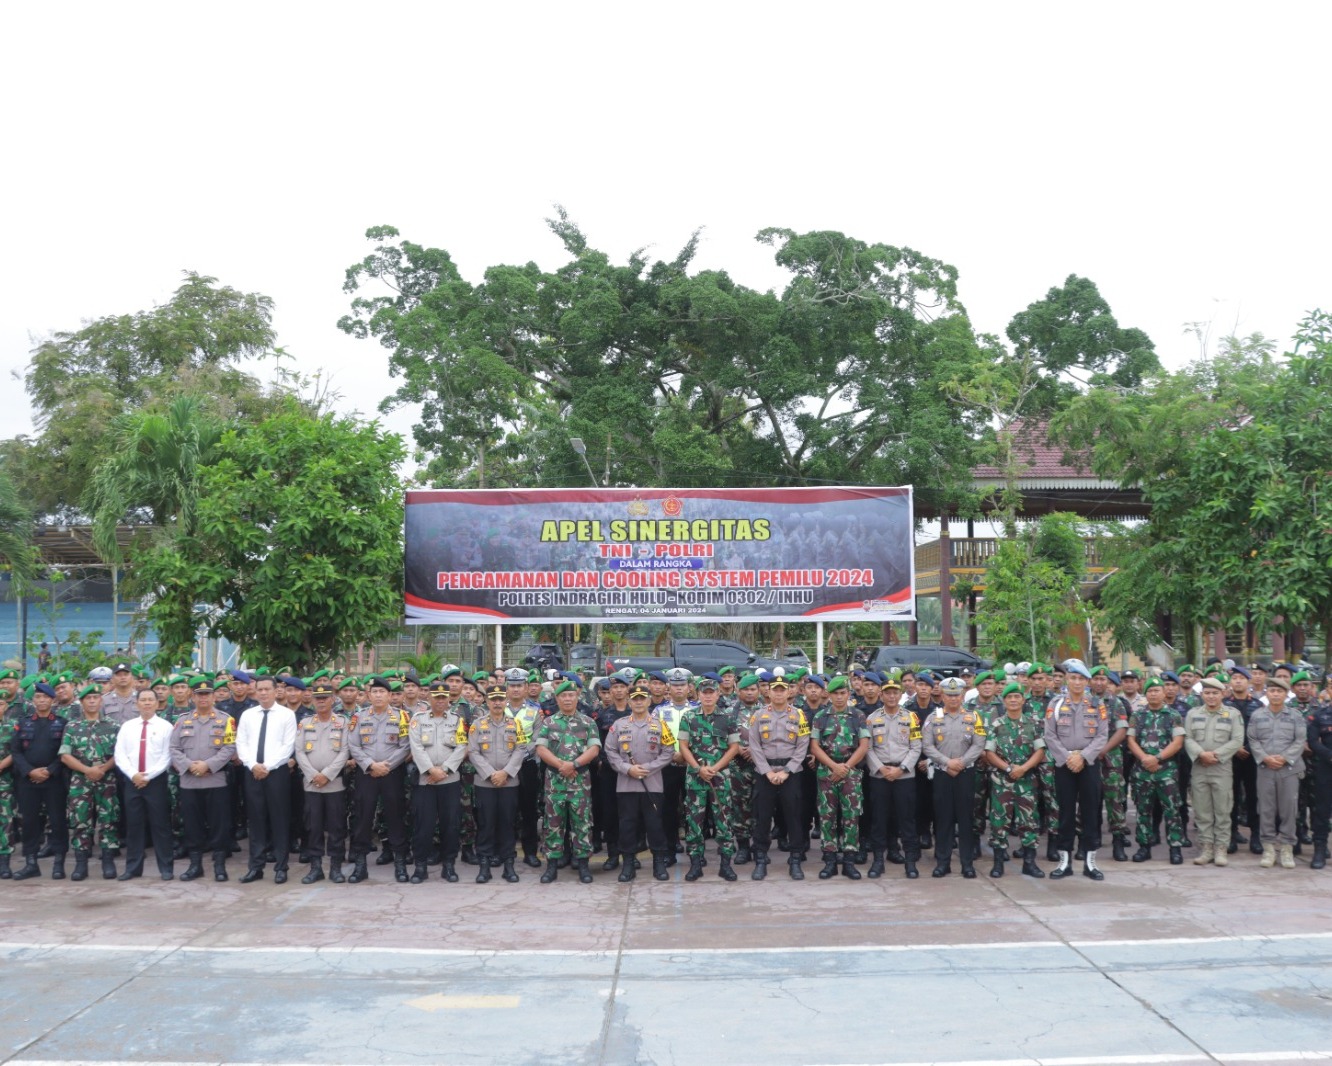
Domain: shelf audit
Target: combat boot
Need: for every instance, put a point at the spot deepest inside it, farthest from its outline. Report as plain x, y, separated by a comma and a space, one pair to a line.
849, 867
530, 859
660, 869
335, 873
360, 873
195, 868
448, 871
1319, 859
1051, 850
584, 874
742, 856
630, 871
1207, 855
876, 867
420, 872
400, 871
1221, 859
1177, 855
829, 865
30, 869
108, 865
316, 872
997, 870
482, 870
80, 866
612, 862
1029, 867
1287, 854
1235, 841
796, 870
1143, 854
861, 856
695, 868
760, 870
1117, 848
910, 869
895, 856
510, 874
469, 856
1255, 845
220, 866
1268, 860
552, 871
1089, 867
1064, 869
6, 874
725, 870
58, 867
385, 856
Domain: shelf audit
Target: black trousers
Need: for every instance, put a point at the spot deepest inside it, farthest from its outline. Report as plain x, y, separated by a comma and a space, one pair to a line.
529, 805
924, 803
436, 807
32, 801
767, 798
954, 801
609, 802
268, 803
1078, 794
1244, 807
206, 815
1322, 810
672, 796
326, 820
148, 807
297, 808
389, 790
496, 809
639, 811
892, 808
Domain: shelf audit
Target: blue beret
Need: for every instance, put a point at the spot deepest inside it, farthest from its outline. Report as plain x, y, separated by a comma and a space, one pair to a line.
1240, 670
657, 675
925, 676
603, 685
765, 675
241, 676
1170, 675
1112, 676
711, 676
871, 677
296, 683
817, 679
44, 689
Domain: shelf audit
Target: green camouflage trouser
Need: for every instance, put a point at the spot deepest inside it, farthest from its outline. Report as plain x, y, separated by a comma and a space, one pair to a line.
6, 814
93, 807
697, 795
1013, 809
568, 808
1049, 799
840, 804
742, 802
980, 804
467, 816
173, 797
1116, 791
1163, 786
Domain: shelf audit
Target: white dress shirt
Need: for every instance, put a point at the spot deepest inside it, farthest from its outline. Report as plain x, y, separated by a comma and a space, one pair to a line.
279, 740
158, 751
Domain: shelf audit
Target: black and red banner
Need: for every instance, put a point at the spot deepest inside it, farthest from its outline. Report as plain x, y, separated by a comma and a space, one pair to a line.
635, 555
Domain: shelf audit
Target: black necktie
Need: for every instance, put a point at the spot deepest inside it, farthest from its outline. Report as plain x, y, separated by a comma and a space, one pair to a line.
263, 731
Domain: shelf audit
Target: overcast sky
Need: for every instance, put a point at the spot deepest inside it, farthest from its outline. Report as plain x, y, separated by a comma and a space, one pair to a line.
1175, 153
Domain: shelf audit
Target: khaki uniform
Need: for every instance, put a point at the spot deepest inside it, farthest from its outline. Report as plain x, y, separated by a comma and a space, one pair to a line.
1283, 733
1212, 788
324, 747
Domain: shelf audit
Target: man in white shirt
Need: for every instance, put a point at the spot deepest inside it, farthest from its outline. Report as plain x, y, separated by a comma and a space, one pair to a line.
143, 755
266, 745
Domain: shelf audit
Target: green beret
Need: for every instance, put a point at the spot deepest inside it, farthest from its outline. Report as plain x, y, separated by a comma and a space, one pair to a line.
28, 680
1187, 668
395, 686
798, 673
999, 676
565, 686
985, 675
480, 677
349, 682
748, 681
8, 675
1011, 688
1152, 682
725, 670
319, 673
1303, 675
63, 679
89, 690
837, 683
534, 677
1097, 670
200, 681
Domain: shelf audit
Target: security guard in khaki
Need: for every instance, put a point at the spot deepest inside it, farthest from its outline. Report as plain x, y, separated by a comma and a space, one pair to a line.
1212, 735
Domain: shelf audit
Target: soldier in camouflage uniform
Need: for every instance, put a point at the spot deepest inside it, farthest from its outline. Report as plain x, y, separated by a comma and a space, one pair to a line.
88, 749
747, 704
470, 710
710, 742
1014, 748
1047, 799
7, 834
568, 743
986, 704
839, 741
1156, 733
1112, 762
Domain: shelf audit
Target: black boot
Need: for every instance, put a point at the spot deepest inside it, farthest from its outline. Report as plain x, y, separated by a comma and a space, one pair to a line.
876, 867
1176, 856
759, 872
552, 871
448, 871
316, 872
1143, 854
80, 866
108, 865
1255, 845
30, 869
742, 856
660, 870
6, 874
942, 868
909, 868
630, 871
385, 856
796, 870
530, 859
420, 872
1051, 850
1235, 841
220, 866
584, 874
895, 856
482, 870
400, 871
1029, 867
612, 862
695, 868
360, 873
1319, 859
195, 869
725, 870
47, 851
565, 862
510, 874
829, 865
58, 867
469, 856
335, 873
849, 867
1117, 848
861, 857
783, 844
997, 870
1089, 867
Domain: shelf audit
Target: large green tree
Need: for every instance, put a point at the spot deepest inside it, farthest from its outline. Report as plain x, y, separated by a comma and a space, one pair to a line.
295, 553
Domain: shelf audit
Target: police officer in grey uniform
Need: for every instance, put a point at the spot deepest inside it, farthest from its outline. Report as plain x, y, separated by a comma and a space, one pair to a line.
638, 747
121, 706
323, 747
203, 742
379, 747
778, 744
952, 739
1076, 732
438, 740
895, 746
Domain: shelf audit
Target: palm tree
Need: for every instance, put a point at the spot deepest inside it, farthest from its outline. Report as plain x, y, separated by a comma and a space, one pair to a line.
16, 547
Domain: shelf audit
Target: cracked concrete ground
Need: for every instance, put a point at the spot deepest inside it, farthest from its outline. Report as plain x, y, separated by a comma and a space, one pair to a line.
1156, 964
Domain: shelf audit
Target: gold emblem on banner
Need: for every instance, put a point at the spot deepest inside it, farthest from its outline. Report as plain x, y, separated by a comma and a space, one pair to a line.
637, 508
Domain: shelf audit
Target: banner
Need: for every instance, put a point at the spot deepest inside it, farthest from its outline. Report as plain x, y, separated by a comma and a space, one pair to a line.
637, 555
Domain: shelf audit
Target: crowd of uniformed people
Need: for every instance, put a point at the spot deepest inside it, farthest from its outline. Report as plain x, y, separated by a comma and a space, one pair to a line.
508, 766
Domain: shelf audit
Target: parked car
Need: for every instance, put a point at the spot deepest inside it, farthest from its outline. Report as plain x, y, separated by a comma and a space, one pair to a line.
699, 657
938, 659
544, 657
581, 655
796, 657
